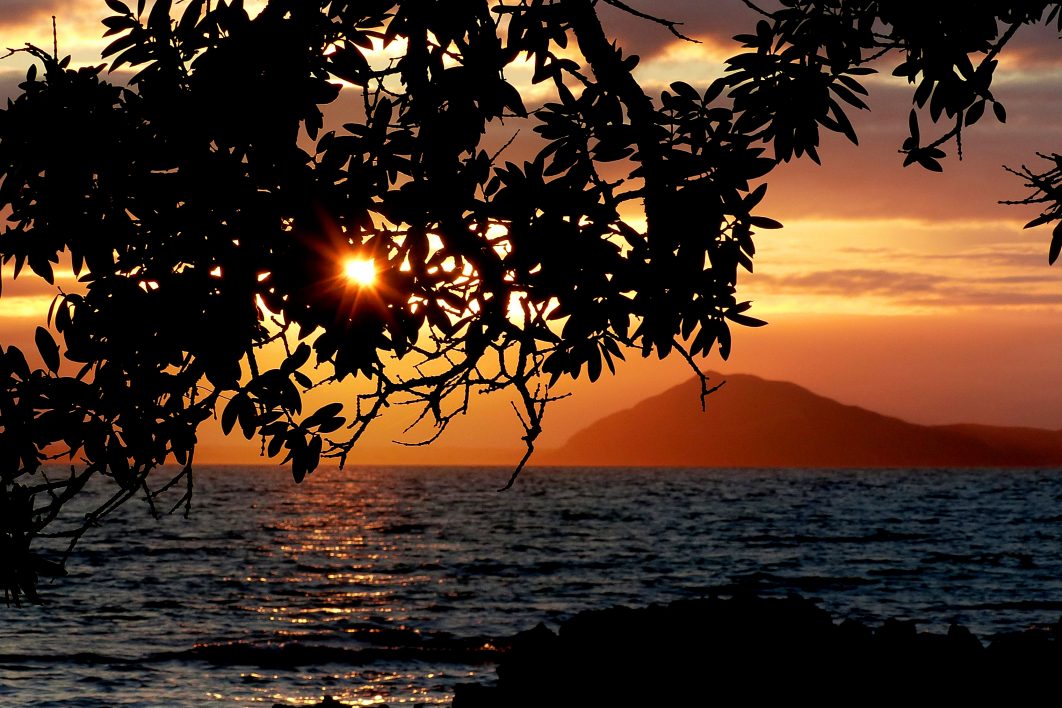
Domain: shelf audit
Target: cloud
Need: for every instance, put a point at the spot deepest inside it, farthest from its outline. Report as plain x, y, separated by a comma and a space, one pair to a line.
1002, 258
1045, 279
25, 307
1024, 255
715, 22
30, 285
15, 12
1033, 47
696, 64
853, 281
907, 289
968, 298
28, 296
18, 17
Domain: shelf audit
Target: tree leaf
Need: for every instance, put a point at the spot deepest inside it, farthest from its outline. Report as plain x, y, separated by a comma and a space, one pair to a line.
322, 414
119, 7
331, 425
247, 416
48, 349
928, 162
1000, 111
230, 414
159, 17
1056, 244
974, 113
764, 222
1040, 220
746, 320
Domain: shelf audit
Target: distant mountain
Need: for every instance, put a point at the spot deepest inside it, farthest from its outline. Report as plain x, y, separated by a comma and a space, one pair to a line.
751, 422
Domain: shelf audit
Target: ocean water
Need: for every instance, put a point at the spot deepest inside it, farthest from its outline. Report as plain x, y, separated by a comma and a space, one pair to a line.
391, 585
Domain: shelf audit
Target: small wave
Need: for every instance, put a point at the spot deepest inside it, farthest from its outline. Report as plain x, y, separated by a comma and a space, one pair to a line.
805, 583
120, 617
292, 655
81, 658
1024, 560
569, 515
441, 609
409, 568
1029, 605
879, 536
487, 566
181, 550
17, 667
396, 529
549, 567
367, 633
318, 569
895, 572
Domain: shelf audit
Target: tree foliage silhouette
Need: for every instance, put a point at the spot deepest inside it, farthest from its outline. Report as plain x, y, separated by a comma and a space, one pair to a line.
208, 216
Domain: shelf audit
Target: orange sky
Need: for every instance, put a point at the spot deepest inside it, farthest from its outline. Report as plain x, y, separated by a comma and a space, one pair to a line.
911, 293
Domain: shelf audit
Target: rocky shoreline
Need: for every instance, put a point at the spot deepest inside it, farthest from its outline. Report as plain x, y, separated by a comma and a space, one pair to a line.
748, 650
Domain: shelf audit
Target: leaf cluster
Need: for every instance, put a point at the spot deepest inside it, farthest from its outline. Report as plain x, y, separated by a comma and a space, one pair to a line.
813, 51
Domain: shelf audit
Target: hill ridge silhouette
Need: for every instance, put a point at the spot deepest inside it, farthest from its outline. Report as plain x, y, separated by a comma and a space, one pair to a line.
755, 422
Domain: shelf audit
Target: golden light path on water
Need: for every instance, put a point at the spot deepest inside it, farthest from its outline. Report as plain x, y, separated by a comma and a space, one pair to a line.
333, 549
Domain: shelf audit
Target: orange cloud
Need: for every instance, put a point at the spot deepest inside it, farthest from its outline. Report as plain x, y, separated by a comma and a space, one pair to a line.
17, 13
712, 22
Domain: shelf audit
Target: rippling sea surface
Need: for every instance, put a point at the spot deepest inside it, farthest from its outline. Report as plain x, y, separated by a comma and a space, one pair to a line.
391, 585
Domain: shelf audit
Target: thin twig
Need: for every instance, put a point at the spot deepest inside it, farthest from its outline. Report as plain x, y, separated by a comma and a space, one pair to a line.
503, 148
757, 8
671, 26
706, 390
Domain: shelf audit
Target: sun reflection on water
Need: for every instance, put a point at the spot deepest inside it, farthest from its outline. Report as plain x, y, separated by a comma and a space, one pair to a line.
378, 688
328, 570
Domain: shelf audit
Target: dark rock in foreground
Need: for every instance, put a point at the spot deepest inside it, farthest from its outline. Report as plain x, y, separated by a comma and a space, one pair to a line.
755, 651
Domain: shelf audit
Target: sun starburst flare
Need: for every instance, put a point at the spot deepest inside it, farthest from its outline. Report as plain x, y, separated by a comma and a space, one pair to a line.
360, 271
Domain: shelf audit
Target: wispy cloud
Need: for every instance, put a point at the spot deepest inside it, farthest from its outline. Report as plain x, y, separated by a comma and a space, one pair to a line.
968, 297
25, 307
893, 290
1009, 254
853, 282
716, 22
18, 12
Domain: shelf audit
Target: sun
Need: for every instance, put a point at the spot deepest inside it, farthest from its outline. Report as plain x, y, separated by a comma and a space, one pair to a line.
360, 271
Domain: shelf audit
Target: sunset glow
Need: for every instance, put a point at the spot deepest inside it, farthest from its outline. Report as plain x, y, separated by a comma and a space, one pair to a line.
928, 268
